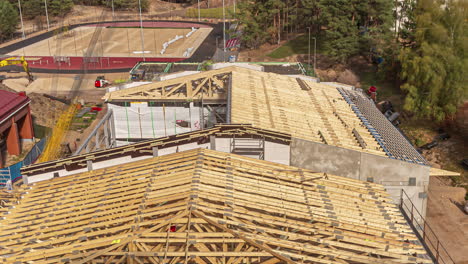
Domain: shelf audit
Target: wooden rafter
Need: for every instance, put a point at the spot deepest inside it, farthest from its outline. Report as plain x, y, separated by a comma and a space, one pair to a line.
211, 86
203, 206
304, 109
281, 103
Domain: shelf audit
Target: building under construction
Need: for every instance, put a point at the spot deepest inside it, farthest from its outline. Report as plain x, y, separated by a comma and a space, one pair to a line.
334, 128
160, 180
205, 206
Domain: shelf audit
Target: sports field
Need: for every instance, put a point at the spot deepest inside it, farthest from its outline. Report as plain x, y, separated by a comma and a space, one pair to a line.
110, 46
118, 42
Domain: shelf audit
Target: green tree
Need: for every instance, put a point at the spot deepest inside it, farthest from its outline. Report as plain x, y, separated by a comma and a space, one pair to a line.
348, 26
341, 33
8, 19
405, 21
130, 5
59, 7
434, 69
254, 18
34, 8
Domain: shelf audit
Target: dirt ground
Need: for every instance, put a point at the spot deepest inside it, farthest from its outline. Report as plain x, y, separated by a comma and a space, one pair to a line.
117, 42
260, 54
447, 220
12, 159
60, 85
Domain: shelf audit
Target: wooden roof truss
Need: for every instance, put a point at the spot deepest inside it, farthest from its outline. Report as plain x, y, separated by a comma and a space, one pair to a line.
205, 207
206, 86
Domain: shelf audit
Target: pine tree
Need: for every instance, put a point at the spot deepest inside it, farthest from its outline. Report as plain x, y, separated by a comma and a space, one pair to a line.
254, 17
8, 19
35, 8
341, 34
347, 27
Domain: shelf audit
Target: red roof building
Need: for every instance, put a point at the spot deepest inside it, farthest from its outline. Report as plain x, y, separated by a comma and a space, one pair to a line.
15, 122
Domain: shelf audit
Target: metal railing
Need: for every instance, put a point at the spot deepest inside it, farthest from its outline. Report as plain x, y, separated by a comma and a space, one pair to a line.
426, 235
103, 135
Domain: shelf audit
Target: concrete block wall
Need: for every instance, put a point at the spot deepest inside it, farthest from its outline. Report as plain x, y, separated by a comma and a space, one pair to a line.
393, 174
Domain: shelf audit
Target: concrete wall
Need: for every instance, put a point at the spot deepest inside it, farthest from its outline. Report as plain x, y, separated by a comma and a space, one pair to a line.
393, 174
278, 153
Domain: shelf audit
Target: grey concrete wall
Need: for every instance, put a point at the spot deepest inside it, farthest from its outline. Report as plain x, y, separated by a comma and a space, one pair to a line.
393, 174
325, 158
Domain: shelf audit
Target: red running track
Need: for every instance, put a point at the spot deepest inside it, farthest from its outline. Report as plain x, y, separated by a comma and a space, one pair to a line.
93, 63
157, 24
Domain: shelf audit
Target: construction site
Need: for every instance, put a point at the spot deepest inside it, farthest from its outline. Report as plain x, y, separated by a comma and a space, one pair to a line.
128, 142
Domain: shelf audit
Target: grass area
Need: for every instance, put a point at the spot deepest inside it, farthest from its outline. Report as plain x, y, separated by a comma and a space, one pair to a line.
385, 89
80, 123
211, 12
419, 132
299, 45
119, 81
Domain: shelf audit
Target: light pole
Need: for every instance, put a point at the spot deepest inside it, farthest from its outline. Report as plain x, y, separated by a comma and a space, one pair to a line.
141, 32
315, 54
309, 48
21, 17
198, 10
224, 34
47, 15
113, 10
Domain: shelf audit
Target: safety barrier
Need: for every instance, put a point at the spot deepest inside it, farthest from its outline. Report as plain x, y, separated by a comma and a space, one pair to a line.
13, 173
426, 235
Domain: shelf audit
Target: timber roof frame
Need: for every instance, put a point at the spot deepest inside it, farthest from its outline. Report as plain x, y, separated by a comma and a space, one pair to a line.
203, 206
305, 109
209, 86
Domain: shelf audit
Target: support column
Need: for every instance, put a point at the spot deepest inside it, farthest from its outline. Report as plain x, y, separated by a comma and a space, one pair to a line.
106, 135
1, 157
212, 142
27, 129
12, 140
